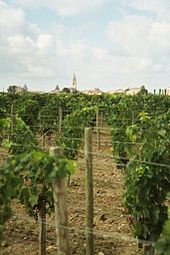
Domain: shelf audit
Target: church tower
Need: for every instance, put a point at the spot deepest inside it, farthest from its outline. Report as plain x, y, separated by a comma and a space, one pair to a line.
74, 82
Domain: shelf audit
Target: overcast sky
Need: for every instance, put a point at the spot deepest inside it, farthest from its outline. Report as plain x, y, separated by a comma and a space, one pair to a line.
110, 44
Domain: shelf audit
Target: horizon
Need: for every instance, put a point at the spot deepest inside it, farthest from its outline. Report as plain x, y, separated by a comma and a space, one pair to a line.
112, 91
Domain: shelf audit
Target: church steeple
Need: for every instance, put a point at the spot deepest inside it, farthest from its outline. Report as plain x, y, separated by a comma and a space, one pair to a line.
74, 82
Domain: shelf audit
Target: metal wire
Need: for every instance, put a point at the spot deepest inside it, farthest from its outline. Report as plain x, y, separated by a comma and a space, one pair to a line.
104, 234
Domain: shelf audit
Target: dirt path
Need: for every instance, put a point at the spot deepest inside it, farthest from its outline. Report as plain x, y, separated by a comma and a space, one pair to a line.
111, 231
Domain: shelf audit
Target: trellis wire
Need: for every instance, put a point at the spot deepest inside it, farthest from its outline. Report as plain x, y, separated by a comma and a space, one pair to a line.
116, 235
111, 157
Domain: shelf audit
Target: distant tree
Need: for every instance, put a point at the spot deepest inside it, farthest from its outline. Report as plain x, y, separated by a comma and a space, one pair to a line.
66, 90
73, 90
143, 90
17, 89
12, 89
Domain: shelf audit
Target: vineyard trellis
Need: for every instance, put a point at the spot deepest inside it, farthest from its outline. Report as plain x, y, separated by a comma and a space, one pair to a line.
133, 122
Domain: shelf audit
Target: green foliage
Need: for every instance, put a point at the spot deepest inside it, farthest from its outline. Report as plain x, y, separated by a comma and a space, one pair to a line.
28, 173
123, 113
4, 105
140, 134
39, 169
148, 175
8, 183
16, 136
29, 177
27, 107
73, 130
48, 116
163, 244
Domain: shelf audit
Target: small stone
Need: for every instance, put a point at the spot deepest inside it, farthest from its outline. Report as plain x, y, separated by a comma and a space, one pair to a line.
50, 247
103, 217
4, 244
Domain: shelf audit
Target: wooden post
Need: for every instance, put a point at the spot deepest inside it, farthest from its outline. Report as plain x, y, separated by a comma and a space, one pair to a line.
89, 192
13, 122
42, 225
61, 217
148, 250
43, 141
102, 118
60, 120
13, 117
148, 247
97, 129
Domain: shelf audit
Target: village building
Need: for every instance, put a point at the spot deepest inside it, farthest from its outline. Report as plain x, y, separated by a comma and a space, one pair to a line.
117, 91
56, 90
95, 91
74, 82
132, 91
167, 91
71, 89
17, 89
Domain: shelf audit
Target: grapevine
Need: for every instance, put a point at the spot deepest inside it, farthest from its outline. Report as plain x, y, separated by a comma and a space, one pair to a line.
148, 176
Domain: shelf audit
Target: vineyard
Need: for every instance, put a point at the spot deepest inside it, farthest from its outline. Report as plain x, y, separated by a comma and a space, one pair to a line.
113, 154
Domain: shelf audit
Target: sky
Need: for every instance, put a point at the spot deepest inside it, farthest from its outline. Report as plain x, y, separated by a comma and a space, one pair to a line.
109, 44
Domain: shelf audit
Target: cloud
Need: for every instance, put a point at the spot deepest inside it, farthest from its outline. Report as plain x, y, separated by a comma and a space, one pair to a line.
139, 49
11, 19
45, 41
135, 49
40, 71
19, 44
161, 8
65, 7
140, 36
76, 7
